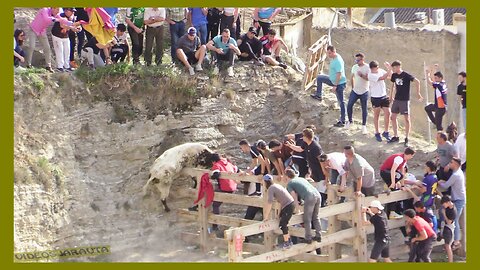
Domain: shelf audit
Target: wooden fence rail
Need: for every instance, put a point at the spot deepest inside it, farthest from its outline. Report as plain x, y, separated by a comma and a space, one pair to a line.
240, 228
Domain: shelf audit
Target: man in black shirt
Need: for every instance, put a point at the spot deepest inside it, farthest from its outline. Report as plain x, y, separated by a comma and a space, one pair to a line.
250, 47
313, 151
378, 219
450, 213
401, 103
462, 96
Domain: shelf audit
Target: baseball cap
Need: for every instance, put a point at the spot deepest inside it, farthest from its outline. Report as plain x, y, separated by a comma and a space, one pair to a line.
69, 8
192, 31
253, 30
376, 204
261, 144
267, 178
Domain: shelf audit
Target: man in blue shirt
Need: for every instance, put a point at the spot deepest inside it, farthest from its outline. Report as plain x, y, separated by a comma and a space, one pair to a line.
223, 48
198, 19
336, 79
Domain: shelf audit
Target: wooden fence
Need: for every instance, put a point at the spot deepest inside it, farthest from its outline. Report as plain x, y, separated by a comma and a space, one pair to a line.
317, 54
333, 240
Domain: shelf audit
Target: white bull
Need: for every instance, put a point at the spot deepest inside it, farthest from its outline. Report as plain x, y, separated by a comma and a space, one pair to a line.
169, 165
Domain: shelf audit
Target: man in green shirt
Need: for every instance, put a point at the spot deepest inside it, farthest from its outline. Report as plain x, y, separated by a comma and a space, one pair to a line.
300, 188
135, 25
336, 79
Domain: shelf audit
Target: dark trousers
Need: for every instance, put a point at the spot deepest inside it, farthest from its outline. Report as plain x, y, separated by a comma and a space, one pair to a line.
246, 48
285, 215
177, 30
398, 207
72, 36
252, 212
301, 165
216, 207
265, 26
436, 118
16, 61
229, 56
363, 102
212, 28
119, 52
154, 33
81, 36
424, 249
137, 44
227, 22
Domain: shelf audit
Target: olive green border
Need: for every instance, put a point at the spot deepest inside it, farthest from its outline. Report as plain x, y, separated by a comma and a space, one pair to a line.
6, 133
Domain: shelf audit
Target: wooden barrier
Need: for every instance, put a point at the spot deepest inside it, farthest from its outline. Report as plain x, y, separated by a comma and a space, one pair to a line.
240, 228
317, 54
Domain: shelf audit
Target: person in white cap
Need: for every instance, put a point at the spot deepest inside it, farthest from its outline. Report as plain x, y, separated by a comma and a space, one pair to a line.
378, 219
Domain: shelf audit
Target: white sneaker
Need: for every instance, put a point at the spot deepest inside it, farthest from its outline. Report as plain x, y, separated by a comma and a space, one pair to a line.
394, 215
347, 124
198, 67
192, 72
215, 71
364, 130
230, 71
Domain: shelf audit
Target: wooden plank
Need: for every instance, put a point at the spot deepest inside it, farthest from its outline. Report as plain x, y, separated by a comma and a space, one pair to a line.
385, 198
392, 224
228, 175
311, 257
269, 225
220, 243
347, 259
278, 255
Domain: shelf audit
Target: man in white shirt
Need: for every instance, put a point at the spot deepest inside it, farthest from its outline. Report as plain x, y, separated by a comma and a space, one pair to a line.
333, 166
359, 90
461, 146
378, 97
154, 19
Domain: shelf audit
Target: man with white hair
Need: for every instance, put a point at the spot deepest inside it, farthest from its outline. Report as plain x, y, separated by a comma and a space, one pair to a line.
378, 219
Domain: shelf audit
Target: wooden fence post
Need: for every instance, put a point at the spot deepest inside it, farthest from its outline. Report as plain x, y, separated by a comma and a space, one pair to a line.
360, 241
202, 220
334, 250
235, 246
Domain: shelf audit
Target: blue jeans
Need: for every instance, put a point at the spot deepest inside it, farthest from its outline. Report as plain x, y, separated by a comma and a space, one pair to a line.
339, 93
177, 30
464, 118
202, 32
363, 101
459, 204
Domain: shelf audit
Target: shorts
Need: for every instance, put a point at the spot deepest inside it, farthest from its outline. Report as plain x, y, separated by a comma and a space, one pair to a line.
380, 248
447, 235
380, 102
191, 57
401, 107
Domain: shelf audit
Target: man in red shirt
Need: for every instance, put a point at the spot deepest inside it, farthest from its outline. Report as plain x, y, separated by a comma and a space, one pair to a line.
425, 234
393, 171
224, 185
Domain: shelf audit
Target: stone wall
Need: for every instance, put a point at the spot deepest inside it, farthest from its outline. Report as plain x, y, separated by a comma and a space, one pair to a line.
412, 47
